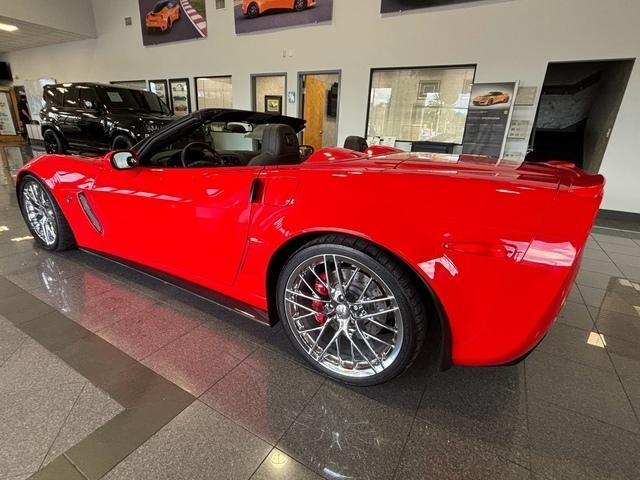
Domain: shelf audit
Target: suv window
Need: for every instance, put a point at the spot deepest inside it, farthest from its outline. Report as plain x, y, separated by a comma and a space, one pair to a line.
88, 98
70, 97
53, 96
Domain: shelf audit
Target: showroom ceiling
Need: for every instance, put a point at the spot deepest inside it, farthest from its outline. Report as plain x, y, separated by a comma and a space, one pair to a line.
30, 35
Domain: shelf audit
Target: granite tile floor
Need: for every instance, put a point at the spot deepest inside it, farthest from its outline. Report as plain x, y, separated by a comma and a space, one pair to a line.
88, 346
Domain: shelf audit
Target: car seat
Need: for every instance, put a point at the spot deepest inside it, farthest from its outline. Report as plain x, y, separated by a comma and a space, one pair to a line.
355, 143
279, 147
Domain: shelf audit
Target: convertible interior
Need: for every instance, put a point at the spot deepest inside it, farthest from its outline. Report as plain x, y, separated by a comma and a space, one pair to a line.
233, 144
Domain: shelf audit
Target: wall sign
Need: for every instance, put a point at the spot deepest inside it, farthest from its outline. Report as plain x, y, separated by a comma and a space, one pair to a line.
7, 127
489, 114
180, 96
267, 14
165, 21
159, 87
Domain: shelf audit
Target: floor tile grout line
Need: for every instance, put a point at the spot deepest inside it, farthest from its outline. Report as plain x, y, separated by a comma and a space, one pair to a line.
70, 460
64, 422
261, 462
599, 420
413, 421
307, 403
24, 340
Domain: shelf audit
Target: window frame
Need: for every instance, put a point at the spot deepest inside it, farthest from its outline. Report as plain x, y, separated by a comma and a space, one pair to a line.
206, 77
372, 71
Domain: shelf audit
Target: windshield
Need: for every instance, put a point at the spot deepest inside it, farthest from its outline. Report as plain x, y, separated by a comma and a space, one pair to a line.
160, 5
131, 100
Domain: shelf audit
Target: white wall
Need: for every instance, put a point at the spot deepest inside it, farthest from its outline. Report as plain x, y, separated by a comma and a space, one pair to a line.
508, 40
69, 15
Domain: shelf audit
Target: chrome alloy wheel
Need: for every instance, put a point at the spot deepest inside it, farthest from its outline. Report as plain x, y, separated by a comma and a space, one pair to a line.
343, 315
39, 211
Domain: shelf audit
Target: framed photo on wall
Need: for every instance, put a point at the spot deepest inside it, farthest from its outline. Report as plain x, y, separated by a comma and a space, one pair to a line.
273, 104
160, 88
180, 94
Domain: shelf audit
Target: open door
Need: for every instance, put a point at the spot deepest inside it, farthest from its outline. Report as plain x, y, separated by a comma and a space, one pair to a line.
319, 107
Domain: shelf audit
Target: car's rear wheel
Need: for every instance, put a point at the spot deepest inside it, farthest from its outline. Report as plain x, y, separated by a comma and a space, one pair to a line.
121, 142
43, 216
299, 5
253, 10
351, 310
52, 142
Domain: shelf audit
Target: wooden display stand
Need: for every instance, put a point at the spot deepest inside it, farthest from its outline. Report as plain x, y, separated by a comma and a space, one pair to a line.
14, 110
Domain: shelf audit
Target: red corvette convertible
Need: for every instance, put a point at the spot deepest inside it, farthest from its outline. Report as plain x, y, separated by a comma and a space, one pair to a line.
356, 252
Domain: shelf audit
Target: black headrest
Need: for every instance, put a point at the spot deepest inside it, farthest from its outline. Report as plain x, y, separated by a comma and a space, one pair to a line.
279, 146
355, 143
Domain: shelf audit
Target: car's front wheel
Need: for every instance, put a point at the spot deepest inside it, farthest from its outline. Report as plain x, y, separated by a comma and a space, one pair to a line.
43, 216
351, 310
299, 5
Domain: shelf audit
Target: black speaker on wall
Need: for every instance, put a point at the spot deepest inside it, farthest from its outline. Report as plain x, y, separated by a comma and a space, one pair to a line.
332, 101
5, 71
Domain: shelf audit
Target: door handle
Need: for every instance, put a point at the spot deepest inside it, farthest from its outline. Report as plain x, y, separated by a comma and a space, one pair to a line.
256, 191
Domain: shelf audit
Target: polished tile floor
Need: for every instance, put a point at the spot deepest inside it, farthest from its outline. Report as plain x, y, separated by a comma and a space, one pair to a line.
108, 373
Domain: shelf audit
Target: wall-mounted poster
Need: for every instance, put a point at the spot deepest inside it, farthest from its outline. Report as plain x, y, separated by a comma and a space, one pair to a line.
7, 125
489, 114
160, 88
180, 96
166, 21
389, 6
273, 104
254, 15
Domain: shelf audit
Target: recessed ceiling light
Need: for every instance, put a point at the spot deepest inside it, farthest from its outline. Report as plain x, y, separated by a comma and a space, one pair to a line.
8, 28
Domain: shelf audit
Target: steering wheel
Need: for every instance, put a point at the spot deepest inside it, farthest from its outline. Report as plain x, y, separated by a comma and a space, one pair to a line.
209, 157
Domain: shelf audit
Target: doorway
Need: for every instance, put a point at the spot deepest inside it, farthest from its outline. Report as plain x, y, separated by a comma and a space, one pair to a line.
319, 105
268, 93
578, 107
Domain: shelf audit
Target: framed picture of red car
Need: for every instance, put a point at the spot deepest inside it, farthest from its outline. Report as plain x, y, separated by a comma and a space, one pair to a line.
390, 6
180, 93
164, 21
254, 15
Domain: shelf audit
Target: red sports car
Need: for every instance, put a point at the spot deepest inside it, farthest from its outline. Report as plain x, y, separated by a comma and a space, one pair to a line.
356, 252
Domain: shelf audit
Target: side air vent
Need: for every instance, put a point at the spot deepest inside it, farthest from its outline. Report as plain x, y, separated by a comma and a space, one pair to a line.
89, 212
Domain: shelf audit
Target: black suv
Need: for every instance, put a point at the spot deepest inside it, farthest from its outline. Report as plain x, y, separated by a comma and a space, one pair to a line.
91, 116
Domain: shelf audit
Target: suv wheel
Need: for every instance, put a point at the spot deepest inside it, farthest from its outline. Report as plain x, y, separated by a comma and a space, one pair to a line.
52, 142
121, 142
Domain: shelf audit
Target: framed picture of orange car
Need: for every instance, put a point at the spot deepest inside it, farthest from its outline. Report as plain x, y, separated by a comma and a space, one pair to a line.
180, 93
165, 21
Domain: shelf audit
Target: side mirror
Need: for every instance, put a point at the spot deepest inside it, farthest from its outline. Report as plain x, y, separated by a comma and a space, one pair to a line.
123, 160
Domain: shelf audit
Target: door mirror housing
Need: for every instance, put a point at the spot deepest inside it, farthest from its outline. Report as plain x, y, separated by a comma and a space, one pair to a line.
123, 160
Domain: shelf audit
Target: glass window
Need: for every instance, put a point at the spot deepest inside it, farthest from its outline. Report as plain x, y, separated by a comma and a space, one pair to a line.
214, 92
70, 97
88, 98
420, 104
131, 100
53, 96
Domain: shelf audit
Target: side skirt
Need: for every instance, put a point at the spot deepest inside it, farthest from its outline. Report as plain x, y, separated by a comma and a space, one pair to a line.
224, 301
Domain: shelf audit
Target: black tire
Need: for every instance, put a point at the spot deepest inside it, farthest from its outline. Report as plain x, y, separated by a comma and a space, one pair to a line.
253, 10
397, 278
52, 142
121, 142
65, 239
169, 24
300, 5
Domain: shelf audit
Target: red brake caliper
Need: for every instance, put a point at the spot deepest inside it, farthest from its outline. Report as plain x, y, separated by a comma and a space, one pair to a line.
318, 305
